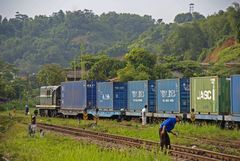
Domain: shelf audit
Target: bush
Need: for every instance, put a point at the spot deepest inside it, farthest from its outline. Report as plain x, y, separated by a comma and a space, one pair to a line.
20, 105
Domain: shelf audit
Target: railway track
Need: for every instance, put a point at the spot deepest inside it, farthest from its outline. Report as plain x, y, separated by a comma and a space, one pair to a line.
227, 143
177, 151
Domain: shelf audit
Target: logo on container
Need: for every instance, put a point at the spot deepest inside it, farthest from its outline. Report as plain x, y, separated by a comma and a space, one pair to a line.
186, 87
207, 94
168, 95
105, 97
137, 96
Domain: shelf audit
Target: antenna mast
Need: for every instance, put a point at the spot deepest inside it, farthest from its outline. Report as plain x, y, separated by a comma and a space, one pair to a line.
191, 8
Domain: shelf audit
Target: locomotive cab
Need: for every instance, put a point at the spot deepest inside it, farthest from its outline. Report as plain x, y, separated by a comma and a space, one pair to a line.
50, 100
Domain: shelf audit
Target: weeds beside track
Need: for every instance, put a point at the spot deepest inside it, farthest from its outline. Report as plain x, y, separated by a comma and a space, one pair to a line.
176, 151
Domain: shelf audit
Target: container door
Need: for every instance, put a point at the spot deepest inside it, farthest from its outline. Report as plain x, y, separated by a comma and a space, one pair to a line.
185, 95
73, 95
224, 96
204, 95
151, 96
105, 95
119, 95
91, 94
235, 95
137, 95
78, 95
168, 96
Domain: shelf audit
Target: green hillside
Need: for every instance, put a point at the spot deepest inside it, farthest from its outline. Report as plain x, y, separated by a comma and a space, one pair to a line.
119, 47
31, 42
60, 38
191, 40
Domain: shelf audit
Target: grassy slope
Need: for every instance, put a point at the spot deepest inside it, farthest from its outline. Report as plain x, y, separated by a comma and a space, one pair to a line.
230, 54
17, 145
214, 56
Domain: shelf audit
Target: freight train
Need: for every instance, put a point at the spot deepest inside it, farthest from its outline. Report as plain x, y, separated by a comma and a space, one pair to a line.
203, 98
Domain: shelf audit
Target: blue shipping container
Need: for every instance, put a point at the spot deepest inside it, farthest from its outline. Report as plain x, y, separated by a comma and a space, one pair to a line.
120, 95
91, 93
78, 95
168, 96
105, 95
151, 96
141, 93
235, 94
70, 95
112, 95
185, 95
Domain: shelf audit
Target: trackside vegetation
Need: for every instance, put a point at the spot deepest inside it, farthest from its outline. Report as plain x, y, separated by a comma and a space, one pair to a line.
17, 145
150, 132
184, 130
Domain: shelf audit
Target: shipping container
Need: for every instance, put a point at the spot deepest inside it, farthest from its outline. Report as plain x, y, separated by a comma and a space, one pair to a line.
210, 95
91, 93
120, 96
112, 95
235, 95
168, 96
105, 95
78, 95
141, 93
184, 95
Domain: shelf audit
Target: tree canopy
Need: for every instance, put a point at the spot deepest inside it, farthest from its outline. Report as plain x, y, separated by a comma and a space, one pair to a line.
31, 42
51, 74
97, 44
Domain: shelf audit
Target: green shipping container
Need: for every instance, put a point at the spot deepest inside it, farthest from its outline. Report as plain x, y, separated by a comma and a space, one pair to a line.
210, 95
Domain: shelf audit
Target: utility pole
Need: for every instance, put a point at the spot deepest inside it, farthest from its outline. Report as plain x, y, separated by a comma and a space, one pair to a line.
74, 68
82, 63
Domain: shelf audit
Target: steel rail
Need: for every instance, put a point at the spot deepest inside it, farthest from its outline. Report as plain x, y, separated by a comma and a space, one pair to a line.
226, 143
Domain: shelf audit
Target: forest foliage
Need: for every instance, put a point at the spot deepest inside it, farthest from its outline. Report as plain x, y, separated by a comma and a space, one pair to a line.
30, 43
115, 46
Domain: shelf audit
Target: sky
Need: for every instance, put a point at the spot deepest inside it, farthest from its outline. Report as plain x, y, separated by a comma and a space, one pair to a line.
158, 9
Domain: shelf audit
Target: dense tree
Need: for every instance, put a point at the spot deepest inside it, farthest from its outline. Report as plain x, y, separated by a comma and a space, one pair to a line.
51, 74
188, 17
162, 71
139, 65
12, 87
127, 74
32, 42
105, 69
139, 56
97, 67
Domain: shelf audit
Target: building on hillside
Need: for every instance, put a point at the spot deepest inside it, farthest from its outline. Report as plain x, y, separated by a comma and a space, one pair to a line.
73, 75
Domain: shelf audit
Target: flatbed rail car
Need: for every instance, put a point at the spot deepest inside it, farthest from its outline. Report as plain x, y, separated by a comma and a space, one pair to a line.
50, 100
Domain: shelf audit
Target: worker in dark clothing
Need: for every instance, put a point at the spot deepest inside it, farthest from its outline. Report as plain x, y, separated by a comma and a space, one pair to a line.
34, 124
165, 128
26, 110
96, 117
14, 110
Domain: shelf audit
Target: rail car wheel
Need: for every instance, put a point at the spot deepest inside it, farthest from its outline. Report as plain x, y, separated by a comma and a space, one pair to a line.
230, 125
43, 112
